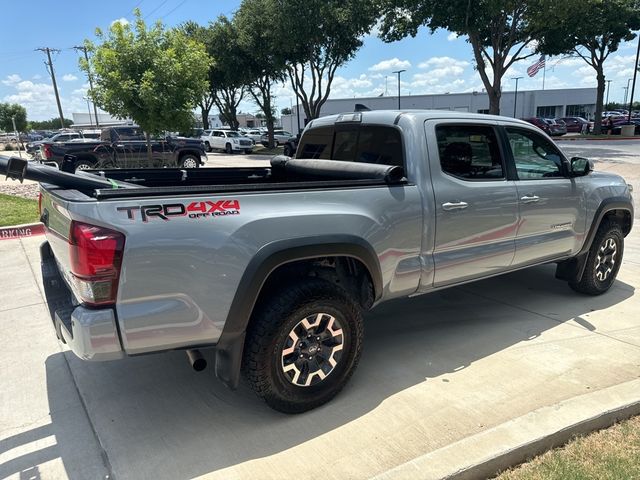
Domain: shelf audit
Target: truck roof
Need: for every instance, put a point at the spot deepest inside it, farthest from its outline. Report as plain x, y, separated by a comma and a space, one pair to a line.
392, 116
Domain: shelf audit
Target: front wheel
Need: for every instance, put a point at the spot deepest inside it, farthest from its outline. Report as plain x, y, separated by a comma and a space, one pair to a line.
603, 261
228, 149
288, 151
302, 345
189, 161
207, 146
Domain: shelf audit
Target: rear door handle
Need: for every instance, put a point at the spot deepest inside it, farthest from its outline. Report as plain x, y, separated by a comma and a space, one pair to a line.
454, 205
530, 198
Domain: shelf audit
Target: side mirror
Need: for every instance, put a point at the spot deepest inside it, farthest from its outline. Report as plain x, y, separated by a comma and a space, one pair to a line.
581, 166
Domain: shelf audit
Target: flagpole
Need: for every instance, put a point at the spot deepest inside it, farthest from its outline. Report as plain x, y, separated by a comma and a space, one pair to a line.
544, 74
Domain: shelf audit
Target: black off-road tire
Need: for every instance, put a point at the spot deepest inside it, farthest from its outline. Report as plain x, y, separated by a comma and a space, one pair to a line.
590, 284
268, 333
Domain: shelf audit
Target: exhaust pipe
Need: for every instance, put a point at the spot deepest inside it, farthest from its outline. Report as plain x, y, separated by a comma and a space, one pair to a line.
197, 361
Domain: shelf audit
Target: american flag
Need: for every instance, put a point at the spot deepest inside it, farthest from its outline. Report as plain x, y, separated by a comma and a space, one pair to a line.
535, 68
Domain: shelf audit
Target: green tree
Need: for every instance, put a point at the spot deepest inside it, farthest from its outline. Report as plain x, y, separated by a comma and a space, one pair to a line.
201, 34
286, 111
9, 111
263, 60
499, 31
52, 124
589, 29
227, 77
317, 37
152, 75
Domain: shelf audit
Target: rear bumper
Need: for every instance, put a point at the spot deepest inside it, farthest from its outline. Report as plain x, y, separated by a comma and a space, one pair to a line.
91, 334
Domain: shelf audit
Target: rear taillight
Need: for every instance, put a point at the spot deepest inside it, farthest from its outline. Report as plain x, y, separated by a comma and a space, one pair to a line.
46, 151
96, 256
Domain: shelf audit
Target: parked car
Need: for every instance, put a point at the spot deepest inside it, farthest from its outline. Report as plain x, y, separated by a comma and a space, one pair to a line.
301, 250
254, 134
617, 126
291, 146
279, 136
576, 124
33, 148
124, 147
548, 126
227, 140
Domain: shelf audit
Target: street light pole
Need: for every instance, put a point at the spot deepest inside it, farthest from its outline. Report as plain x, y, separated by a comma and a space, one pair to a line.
399, 72
626, 91
515, 100
608, 90
633, 85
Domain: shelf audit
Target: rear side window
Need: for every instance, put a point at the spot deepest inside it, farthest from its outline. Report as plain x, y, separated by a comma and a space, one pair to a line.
469, 152
354, 143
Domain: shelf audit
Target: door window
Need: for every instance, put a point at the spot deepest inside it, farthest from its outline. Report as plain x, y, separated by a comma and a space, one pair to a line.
535, 157
469, 152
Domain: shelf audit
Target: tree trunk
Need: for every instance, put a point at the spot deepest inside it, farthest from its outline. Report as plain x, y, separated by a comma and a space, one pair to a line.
597, 122
494, 100
205, 117
148, 138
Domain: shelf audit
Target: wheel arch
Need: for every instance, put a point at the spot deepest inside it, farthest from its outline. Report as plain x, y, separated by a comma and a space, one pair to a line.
267, 261
617, 209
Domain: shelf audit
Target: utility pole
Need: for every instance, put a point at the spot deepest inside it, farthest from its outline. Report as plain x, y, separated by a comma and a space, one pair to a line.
399, 72
49, 64
515, 100
86, 57
608, 90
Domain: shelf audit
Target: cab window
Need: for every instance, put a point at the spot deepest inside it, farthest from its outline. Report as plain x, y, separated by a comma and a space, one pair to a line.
353, 143
535, 157
470, 152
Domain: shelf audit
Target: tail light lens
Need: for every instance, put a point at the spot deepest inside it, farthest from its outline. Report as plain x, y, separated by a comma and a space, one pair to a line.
96, 258
46, 151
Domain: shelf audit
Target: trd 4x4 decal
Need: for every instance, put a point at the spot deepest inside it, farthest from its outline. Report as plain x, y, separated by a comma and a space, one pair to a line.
201, 209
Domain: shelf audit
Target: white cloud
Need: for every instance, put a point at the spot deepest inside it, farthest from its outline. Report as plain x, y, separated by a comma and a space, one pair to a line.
12, 79
390, 64
453, 36
69, 77
36, 77
443, 62
122, 21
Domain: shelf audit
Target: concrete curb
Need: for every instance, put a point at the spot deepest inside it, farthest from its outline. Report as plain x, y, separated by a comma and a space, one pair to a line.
487, 453
21, 231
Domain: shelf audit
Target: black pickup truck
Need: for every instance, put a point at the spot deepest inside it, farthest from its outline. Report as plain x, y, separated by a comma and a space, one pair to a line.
125, 147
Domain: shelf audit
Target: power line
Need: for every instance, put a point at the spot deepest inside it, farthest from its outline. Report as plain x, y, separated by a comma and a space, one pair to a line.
174, 9
49, 65
155, 9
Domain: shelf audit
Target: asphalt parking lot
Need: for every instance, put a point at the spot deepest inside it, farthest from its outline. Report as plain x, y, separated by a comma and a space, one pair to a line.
436, 370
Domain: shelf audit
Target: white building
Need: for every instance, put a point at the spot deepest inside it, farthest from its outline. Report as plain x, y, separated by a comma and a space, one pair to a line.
579, 102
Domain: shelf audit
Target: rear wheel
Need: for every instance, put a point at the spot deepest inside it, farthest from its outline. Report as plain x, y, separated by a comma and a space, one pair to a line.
83, 165
303, 345
603, 261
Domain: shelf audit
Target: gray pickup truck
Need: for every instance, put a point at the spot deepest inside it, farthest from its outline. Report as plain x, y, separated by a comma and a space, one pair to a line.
274, 267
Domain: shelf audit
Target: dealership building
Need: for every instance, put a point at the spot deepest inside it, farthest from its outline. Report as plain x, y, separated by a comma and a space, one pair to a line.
568, 102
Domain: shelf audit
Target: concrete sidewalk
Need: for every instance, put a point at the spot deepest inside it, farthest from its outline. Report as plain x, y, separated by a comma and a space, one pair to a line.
439, 373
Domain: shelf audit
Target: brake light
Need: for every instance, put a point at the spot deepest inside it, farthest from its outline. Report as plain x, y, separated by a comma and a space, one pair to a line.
46, 151
96, 257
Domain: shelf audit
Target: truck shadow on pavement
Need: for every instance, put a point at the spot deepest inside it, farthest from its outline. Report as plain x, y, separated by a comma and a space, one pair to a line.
155, 418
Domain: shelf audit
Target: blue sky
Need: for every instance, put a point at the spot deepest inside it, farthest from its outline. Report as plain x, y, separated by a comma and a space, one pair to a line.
435, 63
